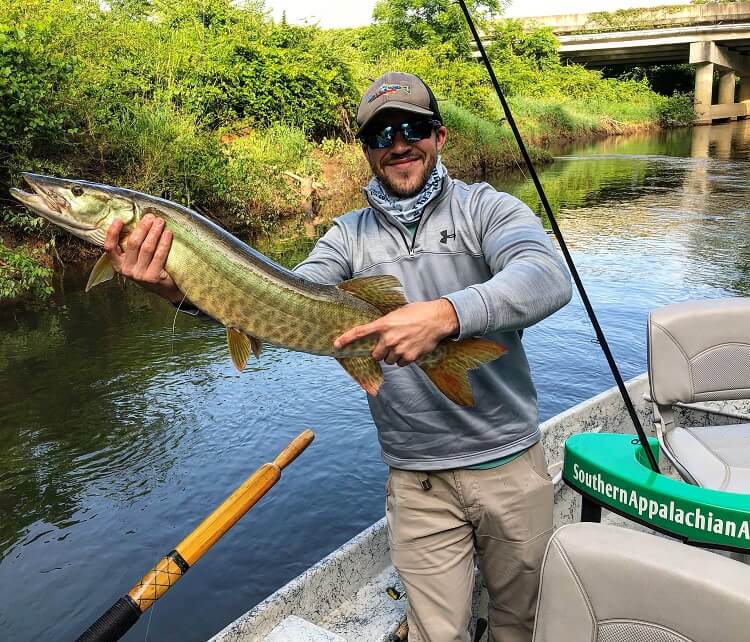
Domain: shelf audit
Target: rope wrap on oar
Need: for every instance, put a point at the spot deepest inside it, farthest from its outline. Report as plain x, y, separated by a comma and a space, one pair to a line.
114, 623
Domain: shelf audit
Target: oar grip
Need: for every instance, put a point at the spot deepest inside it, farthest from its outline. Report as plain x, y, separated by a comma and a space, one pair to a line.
294, 449
114, 623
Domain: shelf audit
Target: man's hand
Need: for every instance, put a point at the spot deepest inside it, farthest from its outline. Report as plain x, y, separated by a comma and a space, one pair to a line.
407, 333
144, 257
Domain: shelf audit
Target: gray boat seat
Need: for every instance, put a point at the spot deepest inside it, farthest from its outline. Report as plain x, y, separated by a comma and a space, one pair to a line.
603, 583
700, 351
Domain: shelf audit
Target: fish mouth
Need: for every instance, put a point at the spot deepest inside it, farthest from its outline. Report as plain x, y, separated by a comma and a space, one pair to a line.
46, 202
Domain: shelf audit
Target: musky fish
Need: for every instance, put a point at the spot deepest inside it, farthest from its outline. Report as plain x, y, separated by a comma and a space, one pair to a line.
256, 299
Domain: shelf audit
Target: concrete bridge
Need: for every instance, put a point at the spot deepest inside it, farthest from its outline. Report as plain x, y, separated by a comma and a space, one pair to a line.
713, 37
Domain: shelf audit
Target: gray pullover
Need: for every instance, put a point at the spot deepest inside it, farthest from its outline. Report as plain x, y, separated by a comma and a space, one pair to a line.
487, 253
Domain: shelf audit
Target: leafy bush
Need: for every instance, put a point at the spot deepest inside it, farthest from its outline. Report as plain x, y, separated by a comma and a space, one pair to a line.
677, 111
21, 272
31, 113
413, 24
257, 160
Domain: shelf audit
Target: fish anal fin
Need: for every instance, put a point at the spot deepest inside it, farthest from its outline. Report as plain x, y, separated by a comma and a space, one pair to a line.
240, 346
102, 272
448, 366
256, 346
384, 291
365, 371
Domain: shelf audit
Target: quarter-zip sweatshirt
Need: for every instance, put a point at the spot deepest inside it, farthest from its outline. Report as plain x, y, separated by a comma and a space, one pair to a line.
488, 254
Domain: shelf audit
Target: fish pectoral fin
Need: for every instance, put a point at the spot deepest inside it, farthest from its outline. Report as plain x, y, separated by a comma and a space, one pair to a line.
385, 292
102, 272
240, 346
365, 371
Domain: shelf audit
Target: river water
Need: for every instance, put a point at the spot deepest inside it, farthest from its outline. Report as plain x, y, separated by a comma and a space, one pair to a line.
121, 427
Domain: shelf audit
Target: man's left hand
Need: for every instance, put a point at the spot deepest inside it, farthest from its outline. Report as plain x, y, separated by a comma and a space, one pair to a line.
406, 334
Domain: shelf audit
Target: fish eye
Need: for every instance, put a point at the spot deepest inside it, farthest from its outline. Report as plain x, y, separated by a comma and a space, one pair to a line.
77, 190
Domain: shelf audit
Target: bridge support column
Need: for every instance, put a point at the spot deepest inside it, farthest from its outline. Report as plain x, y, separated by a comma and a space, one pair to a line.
706, 56
727, 84
744, 96
704, 84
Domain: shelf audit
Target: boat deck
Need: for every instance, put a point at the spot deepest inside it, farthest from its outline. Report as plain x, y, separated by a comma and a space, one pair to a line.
344, 596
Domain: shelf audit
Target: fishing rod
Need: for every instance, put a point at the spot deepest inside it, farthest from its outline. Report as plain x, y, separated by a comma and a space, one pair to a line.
563, 245
124, 613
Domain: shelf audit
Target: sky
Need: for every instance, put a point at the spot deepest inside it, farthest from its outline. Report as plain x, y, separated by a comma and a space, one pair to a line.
352, 13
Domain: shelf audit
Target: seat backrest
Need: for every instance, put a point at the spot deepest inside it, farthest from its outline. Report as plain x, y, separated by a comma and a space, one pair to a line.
608, 584
699, 351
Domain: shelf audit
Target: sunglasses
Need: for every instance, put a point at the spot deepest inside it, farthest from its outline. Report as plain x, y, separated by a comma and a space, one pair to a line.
412, 131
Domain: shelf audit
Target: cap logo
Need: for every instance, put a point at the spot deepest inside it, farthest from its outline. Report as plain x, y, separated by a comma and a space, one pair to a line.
388, 88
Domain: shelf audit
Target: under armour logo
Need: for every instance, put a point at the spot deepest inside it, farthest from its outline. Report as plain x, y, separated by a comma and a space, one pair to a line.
444, 236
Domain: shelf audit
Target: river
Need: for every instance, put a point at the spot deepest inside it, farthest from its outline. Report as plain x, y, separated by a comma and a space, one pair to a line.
121, 427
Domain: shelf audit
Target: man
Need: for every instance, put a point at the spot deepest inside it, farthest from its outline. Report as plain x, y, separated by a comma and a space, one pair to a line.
463, 481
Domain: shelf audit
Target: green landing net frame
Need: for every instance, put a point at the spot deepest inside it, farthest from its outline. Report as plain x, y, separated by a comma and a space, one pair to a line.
611, 470
615, 470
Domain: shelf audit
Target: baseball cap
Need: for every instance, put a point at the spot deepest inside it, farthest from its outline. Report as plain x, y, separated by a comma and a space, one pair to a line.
396, 90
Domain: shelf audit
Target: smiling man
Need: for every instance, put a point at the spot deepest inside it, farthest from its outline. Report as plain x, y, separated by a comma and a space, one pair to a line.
464, 481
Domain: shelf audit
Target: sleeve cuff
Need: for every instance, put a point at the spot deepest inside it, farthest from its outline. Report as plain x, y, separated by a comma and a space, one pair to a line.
471, 310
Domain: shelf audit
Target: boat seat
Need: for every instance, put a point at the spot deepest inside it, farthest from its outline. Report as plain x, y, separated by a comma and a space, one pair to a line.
700, 351
603, 583
715, 457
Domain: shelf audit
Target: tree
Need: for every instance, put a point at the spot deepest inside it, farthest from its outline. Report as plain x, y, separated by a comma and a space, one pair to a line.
411, 24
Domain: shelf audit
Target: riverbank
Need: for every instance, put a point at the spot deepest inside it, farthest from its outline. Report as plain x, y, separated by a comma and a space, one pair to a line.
330, 179
251, 121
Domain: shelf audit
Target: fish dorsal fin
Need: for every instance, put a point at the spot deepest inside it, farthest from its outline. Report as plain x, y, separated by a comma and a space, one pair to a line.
102, 272
385, 292
239, 347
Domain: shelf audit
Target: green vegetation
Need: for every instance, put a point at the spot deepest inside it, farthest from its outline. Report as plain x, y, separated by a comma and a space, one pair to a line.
677, 111
213, 104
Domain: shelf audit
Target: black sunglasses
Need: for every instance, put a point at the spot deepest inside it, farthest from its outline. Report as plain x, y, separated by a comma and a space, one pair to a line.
412, 131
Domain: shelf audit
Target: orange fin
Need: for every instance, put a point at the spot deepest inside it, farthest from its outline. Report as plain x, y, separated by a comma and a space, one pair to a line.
365, 371
385, 292
239, 347
448, 367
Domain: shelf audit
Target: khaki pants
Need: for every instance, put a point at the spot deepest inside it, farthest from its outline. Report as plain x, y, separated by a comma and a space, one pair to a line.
503, 515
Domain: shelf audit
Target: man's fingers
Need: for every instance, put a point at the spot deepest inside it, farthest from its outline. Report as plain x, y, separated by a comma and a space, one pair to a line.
357, 332
112, 240
148, 247
160, 255
136, 239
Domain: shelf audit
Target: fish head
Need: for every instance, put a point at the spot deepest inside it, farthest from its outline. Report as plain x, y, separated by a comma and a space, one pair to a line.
82, 208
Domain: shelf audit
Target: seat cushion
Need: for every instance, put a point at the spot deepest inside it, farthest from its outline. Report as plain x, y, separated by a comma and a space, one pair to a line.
716, 457
607, 584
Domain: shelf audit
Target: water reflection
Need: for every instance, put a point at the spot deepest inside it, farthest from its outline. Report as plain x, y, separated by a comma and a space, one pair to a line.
122, 427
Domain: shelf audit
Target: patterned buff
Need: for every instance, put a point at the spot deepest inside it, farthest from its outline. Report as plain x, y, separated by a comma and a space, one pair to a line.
407, 210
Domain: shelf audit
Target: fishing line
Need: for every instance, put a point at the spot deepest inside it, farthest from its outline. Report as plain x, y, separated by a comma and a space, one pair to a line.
563, 245
174, 321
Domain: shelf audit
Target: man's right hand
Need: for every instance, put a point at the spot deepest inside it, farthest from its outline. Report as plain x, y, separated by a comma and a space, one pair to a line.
145, 256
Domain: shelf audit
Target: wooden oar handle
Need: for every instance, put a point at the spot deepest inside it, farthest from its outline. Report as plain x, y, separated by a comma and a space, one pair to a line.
126, 611
294, 449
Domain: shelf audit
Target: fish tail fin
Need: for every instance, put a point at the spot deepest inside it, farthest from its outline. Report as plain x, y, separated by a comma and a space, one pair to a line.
365, 371
448, 368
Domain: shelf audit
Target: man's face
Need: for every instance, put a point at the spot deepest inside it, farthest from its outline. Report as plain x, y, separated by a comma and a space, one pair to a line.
404, 167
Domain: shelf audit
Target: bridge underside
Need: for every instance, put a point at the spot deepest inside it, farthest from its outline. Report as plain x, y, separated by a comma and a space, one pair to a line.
722, 48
